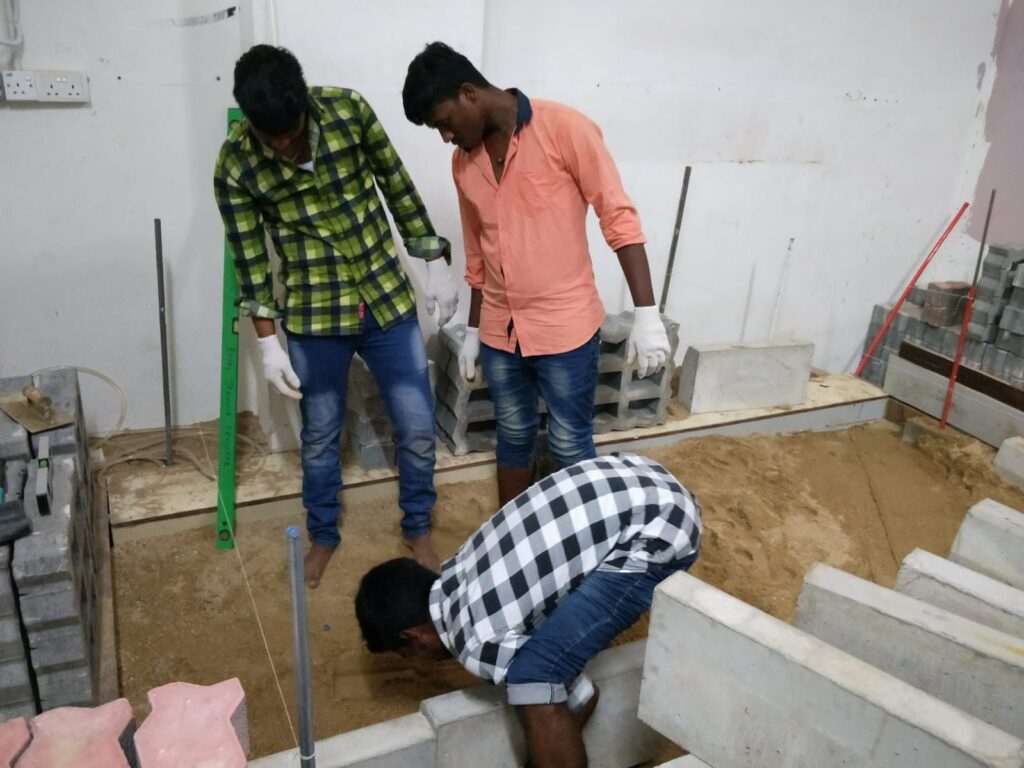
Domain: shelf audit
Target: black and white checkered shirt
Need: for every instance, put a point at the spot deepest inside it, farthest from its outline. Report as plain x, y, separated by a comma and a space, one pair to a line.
613, 513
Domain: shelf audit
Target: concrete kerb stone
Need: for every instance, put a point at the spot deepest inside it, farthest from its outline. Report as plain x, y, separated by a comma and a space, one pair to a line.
739, 688
967, 593
976, 668
1009, 461
733, 377
475, 727
687, 761
991, 541
405, 742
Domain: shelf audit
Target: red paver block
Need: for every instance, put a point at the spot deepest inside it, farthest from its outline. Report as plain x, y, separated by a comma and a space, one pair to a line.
81, 737
192, 725
14, 737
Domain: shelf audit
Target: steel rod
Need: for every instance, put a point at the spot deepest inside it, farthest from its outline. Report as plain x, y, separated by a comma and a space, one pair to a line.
968, 310
168, 441
675, 240
300, 636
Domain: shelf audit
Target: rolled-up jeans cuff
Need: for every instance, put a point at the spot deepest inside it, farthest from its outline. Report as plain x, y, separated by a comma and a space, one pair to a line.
580, 693
526, 694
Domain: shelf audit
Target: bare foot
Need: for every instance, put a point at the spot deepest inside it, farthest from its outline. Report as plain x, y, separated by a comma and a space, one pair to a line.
423, 552
316, 561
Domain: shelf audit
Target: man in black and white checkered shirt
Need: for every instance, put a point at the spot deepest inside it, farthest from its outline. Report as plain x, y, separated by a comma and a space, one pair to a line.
541, 588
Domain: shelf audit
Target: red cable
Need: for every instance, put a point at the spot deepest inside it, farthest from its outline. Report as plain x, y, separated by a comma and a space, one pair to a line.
903, 298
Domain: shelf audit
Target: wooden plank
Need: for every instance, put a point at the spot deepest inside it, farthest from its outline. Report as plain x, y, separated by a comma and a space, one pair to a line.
141, 493
977, 380
976, 414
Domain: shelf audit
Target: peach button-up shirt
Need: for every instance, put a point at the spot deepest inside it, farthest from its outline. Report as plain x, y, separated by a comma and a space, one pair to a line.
525, 236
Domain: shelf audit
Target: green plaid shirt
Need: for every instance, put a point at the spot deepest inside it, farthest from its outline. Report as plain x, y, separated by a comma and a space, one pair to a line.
327, 225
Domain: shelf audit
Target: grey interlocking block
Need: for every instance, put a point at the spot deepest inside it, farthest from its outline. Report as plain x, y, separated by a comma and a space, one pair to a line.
8, 601
984, 333
26, 709
73, 687
1017, 295
1011, 342
12, 647
1018, 277
14, 439
15, 471
45, 610
1012, 320
59, 648
15, 683
917, 294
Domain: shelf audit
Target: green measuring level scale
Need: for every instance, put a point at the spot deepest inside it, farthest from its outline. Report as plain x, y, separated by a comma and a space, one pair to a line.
227, 459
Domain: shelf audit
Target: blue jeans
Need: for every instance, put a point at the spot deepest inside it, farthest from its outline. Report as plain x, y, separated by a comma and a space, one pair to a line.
397, 358
549, 666
566, 381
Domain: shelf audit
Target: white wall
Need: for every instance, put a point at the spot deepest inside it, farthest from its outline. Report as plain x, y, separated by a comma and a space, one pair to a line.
845, 126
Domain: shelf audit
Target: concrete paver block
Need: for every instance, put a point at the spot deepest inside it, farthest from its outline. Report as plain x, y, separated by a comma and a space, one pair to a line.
73, 737
740, 689
405, 742
967, 593
991, 541
14, 738
734, 377
194, 725
1010, 461
973, 667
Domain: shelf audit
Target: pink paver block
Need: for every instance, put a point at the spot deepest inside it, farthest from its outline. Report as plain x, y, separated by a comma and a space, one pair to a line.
194, 725
14, 737
81, 737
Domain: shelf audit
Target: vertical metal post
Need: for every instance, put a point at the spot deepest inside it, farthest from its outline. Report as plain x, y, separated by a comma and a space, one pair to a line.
300, 635
168, 443
675, 240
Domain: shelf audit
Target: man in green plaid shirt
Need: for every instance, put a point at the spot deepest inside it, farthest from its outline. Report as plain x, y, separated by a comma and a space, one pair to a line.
304, 168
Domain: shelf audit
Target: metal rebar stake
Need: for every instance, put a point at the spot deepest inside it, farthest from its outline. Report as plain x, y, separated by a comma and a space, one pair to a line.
168, 441
300, 635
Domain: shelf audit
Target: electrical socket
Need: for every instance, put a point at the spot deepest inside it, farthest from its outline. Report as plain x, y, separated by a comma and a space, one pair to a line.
62, 86
19, 85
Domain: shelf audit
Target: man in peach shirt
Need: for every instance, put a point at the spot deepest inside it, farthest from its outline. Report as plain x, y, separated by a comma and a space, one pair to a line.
526, 172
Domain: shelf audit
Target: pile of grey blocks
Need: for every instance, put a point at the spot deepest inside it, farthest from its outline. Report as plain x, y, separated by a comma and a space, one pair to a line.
48, 579
932, 317
369, 435
464, 410
926, 674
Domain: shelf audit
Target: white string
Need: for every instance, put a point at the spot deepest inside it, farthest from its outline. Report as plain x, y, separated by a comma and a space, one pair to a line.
252, 599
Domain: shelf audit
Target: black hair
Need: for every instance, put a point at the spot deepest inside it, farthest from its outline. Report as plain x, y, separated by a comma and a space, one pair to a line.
435, 75
270, 89
392, 597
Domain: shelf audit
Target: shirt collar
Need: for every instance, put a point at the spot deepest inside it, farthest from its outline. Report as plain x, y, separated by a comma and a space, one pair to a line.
524, 111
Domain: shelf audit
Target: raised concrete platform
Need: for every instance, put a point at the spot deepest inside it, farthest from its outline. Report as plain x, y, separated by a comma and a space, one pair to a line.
976, 668
148, 500
735, 376
741, 689
475, 727
967, 593
976, 414
991, 541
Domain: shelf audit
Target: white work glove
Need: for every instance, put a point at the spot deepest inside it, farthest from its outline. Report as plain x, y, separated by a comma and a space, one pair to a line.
468, 354
648, 343
441, 290
277, 368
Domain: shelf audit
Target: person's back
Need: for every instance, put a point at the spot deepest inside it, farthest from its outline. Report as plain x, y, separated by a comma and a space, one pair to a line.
541, 588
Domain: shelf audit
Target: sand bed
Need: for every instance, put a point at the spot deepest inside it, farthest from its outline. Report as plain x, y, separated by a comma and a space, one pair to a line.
859, 499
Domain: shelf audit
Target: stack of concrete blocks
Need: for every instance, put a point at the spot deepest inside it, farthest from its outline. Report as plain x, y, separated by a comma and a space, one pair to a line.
465, 411
188, 725
54, 569
368, 433
932, 318
928, 674
17, 698
475, 727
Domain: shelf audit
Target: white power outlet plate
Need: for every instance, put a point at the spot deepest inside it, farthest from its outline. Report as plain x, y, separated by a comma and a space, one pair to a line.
62, 86
19, 85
